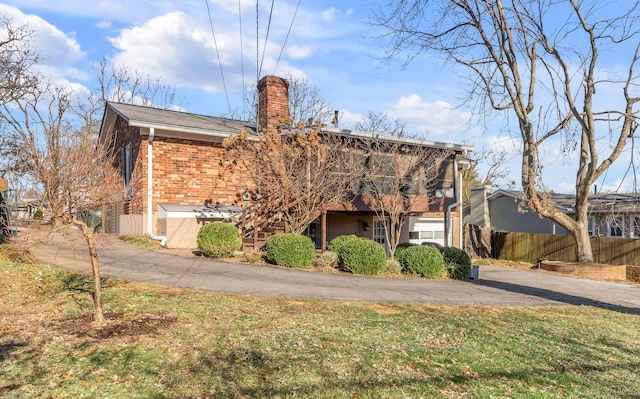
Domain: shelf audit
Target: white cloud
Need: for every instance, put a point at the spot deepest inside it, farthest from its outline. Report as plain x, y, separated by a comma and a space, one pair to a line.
298, 52
329, 15
58, 51
116, 10
347, 118
178, 49
438, 118
103, 25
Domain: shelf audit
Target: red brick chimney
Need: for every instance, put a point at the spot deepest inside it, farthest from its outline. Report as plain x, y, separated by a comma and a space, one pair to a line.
273, 102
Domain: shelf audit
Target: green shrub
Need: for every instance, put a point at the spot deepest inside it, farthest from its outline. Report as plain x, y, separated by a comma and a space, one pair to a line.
457, 262
218, 240
362, 256
401, 247
337, 243
421, 260
290, 250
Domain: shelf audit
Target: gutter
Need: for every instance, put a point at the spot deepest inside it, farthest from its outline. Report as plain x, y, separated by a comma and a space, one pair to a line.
459, 164
162, 239
456, 203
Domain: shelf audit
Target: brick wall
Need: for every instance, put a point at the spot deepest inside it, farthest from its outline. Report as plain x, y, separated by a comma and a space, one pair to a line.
190, 172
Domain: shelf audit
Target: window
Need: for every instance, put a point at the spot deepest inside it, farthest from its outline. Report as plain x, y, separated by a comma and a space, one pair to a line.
384, 172
616, 227
126, 168
591, 227
635, 228
414, 235
362, 167
379, 235
426, 235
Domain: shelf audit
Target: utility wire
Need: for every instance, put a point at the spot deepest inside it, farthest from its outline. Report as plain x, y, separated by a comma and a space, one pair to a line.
257, 62
241, 46
218, 53
287, 38
266, 38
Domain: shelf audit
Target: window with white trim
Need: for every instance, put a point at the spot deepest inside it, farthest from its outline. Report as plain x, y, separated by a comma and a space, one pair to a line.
616, 227
126, 167
379, 235
635, 226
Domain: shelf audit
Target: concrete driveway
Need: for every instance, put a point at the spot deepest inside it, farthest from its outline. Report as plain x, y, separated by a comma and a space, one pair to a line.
495, 287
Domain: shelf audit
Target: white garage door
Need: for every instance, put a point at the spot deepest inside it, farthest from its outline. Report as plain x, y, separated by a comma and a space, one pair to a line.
426, 229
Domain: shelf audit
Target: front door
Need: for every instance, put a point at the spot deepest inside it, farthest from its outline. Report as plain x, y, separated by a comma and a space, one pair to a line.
379, 235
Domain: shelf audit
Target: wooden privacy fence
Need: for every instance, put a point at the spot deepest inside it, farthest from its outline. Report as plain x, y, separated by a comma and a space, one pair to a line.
526, 247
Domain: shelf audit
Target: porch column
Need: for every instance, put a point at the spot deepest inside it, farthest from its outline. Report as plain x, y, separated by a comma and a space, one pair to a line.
323, 244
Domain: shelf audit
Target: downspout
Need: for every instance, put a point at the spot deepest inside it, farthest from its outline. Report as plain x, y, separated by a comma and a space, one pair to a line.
162, 239
456, 203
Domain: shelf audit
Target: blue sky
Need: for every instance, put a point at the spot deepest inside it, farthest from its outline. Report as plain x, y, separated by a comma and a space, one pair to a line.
330, 43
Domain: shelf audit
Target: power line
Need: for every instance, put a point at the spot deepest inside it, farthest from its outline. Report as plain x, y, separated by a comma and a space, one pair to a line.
266, 38
287, 37
241, 45
257, 62
218, 53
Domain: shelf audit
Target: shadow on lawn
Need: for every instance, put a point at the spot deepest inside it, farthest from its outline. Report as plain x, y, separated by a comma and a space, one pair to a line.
554, 295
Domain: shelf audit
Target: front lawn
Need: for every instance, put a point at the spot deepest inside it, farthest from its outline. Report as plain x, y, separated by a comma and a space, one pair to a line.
176, 343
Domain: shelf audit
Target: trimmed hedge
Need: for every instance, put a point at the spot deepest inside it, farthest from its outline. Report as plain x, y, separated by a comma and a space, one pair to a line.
458, 263
290, 250
421, 260
218, 240
339, 242
401, 247
362, 256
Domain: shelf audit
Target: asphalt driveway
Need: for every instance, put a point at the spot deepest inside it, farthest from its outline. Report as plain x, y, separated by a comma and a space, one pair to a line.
495, 287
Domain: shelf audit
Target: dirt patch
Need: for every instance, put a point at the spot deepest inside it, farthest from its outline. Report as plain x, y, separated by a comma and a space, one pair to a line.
116, 326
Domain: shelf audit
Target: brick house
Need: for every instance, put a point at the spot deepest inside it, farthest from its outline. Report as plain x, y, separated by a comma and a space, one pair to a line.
172, 166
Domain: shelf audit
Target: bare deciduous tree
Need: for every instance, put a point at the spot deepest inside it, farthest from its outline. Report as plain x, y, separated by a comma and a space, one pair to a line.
399, 175
496, 169
73, 170
119, 83
50, 136
16, 58
542, 62
295, 171
16, 78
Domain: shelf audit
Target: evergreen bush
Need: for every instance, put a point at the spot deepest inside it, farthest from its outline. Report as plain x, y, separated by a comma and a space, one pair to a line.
337, 243
421, 260
219, 240
401, 247
290, 250
362, 256
457, 262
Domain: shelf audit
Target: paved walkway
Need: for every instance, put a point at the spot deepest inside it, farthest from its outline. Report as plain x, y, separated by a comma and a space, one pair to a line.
496, 286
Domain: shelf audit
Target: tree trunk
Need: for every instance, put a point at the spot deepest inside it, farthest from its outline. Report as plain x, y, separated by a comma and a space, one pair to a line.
583, 244
98, 315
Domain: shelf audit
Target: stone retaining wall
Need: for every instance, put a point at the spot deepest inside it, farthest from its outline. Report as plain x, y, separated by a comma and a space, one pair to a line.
594, 271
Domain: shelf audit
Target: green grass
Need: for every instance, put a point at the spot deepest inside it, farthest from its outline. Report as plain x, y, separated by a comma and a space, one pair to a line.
143, 242
177, 343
